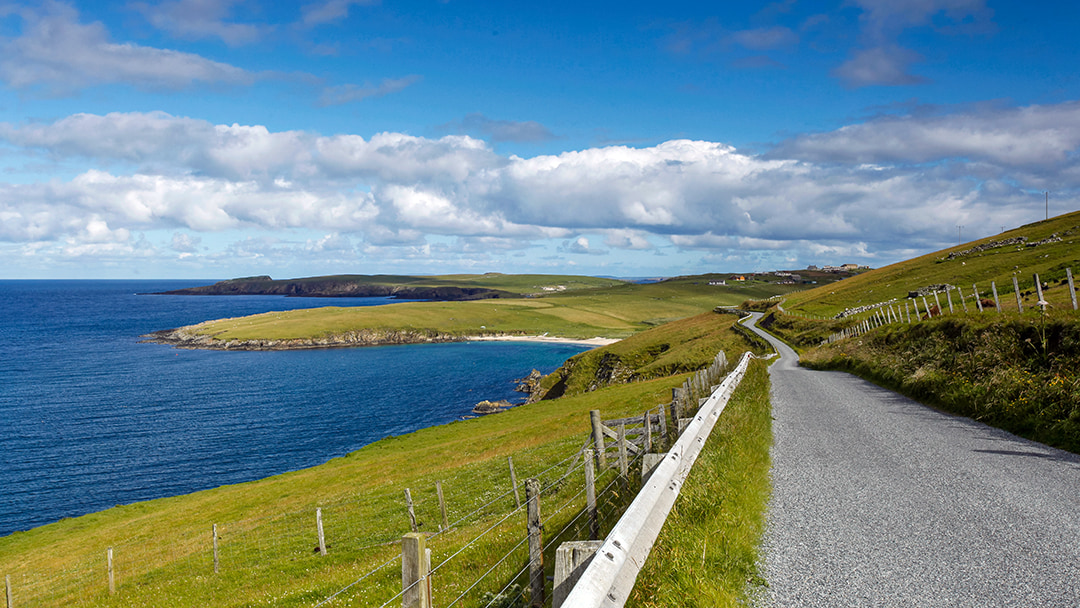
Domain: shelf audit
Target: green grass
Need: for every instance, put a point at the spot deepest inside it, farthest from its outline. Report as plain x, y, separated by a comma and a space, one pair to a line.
612, 312
1018, 373
267, 531
707, 551
998, 265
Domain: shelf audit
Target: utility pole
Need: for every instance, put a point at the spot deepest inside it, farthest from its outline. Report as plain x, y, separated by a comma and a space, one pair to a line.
1047, 204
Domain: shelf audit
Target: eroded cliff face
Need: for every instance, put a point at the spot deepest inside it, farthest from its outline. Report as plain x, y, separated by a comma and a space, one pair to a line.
188, 337
339, 287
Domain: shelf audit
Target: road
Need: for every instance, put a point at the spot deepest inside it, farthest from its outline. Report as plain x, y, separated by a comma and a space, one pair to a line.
880, 501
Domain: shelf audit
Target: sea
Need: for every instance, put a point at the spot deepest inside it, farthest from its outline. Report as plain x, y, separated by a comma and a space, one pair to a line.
91, 418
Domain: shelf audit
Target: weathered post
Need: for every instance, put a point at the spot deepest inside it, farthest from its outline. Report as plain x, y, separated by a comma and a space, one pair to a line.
536, 544
1016, 289
907, 311
938, 302
112, 578
997, 303
442, 507
648, 431
1072, 289
571, 560
962, 301
623, 462
216, 562
663, 425
598, 437
1038, 290
978, 300
414, 572
409, 508
590, 497
322, 538
948, 296
915, 303
926, 305
513, 481
7, 591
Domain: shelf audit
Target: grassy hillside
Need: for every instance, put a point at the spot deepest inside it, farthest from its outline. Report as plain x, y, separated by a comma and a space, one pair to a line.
266, 528
614, 311
998, 264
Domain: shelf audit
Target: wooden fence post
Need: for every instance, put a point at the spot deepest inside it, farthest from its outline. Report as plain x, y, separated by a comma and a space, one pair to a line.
648, 431
513, 481
318, 526
948, 296
1038, 290
7, 591
624, 469
938, 302
907, 311
978, 300
598, 438
214, 531
414, 571
571, 560
962, 301
112, 578
1016, 288
997, 303
590, 496
1072, 289
915, 303
663, 425
409, 508
442, 507
536, 544
926, 305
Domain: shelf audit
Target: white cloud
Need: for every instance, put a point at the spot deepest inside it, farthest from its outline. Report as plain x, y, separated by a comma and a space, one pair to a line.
766, 38
350, 93
891, 184
883, 65
501, 130
328, 11
198, 19
58, 53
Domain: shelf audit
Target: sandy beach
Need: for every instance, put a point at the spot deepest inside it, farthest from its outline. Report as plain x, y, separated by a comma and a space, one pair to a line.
595, 342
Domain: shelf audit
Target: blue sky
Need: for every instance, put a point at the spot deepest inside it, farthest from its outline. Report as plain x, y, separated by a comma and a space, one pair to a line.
214, 139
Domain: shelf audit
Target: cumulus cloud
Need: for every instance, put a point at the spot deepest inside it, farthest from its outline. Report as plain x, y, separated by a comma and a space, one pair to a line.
351, 93
198, 19
1033, 136
61, 55
890, 184
765, 38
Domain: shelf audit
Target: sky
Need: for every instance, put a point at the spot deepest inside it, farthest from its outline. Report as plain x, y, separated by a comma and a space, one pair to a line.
210, 139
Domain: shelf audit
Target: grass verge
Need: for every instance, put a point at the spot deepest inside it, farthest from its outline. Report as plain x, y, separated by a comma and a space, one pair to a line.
707, 551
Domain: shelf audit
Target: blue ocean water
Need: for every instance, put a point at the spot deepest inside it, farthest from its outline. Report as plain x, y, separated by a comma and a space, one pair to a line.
91, 418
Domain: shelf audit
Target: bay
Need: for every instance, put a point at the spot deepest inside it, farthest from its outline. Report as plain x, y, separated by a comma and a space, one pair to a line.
91, 418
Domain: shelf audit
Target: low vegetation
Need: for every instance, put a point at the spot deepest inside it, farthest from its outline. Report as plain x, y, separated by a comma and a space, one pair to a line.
1018, 373
612, 312
266, 528
707, 551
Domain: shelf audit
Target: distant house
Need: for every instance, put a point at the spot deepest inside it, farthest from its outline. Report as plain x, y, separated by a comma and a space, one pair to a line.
720, 282
813, 268
737, 277
849, 267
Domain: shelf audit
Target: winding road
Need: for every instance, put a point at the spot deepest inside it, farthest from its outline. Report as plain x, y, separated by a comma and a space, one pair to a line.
881, 501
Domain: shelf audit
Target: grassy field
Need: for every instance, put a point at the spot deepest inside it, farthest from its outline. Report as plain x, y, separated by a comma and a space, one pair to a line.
707, 551
615, 311
266, 529
997, 264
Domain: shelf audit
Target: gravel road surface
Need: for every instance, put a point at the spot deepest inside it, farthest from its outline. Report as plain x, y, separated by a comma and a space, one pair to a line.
880, 501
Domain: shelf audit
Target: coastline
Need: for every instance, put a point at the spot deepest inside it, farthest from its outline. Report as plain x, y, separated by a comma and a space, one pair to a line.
186, 338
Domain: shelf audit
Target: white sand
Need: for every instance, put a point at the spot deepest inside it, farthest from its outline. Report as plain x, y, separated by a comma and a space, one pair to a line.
551, 339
